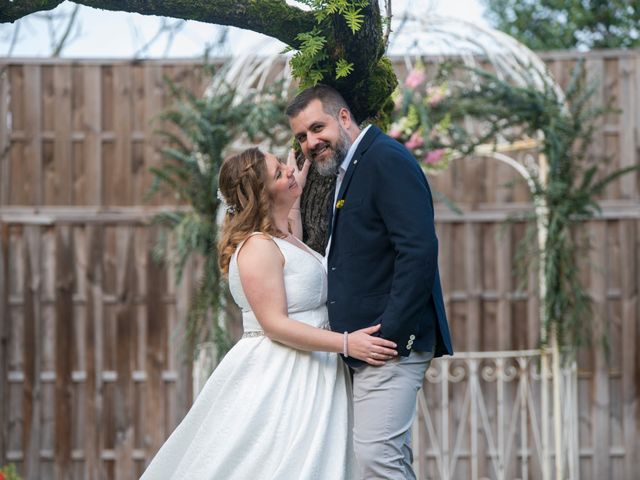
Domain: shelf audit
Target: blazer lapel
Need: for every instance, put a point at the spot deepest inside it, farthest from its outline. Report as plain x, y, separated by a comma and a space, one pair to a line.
330, 208
364, 145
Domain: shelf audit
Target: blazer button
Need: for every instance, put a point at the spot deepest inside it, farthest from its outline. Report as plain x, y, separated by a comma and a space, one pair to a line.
408, 346
412, 337
333, 269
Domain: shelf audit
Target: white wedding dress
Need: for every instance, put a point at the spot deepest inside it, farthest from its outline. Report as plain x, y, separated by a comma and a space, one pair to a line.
268, 411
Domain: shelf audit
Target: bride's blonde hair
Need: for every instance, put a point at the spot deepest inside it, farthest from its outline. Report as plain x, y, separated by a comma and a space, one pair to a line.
243, 184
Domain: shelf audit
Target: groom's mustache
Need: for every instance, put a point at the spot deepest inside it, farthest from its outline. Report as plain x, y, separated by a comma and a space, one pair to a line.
318, 148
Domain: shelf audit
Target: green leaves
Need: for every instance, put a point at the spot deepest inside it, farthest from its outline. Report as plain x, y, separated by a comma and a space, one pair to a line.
568, 24
351, 10
308, 65
354, 19
343, 68
305, 63
312, 42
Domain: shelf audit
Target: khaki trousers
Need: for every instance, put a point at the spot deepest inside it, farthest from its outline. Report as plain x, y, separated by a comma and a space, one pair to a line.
384, 404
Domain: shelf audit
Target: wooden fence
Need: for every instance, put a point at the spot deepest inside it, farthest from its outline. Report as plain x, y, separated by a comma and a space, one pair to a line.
92, 376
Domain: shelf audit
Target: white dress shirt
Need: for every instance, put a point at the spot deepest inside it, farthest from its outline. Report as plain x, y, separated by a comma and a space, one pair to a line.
341, 172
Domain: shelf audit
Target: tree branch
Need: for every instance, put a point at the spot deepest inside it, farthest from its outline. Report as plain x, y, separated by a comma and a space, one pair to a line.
12, 10
71, 23
368, 88
271, 17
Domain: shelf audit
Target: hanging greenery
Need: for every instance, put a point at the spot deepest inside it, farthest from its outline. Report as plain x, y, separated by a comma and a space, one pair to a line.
199, 131
437, 122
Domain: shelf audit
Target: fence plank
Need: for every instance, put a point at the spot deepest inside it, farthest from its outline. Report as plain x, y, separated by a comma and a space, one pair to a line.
5, 144
596, 76
5, 336
502, 249
156, 355
630, 269
16, 271
629, 156
636, 129
30, 185
63, 360
125, 321
473, 268
93, 438
92, 142
58, 187
47, 269
32, 351
600, 407
120, 174
153, 104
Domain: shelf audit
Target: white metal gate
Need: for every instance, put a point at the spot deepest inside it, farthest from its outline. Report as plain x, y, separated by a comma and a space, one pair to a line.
489, 415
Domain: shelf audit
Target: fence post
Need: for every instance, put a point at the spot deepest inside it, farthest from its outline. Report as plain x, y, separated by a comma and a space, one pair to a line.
4, 335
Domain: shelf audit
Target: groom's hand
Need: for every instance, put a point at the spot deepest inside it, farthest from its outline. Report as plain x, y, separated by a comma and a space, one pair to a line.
363, 345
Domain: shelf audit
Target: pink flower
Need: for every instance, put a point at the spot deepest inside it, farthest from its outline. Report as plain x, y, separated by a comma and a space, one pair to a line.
435, 95
415, 78
434, 156
395, 132
414, 141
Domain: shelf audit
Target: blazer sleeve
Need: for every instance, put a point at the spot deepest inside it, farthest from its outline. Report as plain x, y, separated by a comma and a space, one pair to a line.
403, 200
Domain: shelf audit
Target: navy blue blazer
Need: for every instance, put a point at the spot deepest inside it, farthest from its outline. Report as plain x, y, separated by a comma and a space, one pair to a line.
383, 260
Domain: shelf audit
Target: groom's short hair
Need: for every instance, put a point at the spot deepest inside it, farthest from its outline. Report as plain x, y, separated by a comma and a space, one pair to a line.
332, 101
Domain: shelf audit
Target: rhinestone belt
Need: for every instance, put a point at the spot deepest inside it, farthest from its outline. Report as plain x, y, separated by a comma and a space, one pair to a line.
260, 333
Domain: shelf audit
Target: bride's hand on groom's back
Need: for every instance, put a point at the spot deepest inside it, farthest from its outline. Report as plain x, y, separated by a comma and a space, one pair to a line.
368, 348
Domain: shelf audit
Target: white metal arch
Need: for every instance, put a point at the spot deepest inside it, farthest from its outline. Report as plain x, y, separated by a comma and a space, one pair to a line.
439, 37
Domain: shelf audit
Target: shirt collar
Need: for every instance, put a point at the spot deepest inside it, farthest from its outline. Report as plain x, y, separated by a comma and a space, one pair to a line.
347, 160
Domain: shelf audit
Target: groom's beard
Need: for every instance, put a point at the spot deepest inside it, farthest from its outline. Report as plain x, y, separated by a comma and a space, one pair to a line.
329, 165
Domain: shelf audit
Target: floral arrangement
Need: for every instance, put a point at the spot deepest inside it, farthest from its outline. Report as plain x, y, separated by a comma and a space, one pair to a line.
419, 124
8, 472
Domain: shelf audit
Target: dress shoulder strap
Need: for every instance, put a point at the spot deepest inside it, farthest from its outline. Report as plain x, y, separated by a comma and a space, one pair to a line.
253, 234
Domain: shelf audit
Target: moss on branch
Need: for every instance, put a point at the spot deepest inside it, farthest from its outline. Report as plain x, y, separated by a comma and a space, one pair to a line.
271, 17
10, 11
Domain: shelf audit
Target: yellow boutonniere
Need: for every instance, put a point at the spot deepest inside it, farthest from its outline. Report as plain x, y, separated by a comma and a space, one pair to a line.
340, 203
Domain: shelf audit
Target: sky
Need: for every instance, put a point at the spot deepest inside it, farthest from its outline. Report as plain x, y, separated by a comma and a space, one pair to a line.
104, 34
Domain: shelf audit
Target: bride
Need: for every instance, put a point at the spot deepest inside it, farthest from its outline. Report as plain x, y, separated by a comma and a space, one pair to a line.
278, 405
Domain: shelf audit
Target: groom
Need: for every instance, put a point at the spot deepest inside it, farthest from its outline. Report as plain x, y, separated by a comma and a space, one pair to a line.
382, 264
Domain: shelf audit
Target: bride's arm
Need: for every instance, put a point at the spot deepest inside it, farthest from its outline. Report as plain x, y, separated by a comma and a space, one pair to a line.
295, 218
261, 267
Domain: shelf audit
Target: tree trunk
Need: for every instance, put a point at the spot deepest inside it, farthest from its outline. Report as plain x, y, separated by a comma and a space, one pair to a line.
316, 199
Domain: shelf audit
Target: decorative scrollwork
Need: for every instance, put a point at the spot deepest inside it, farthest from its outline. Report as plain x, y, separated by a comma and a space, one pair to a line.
457, 373
509, 373
490, 373
434, 373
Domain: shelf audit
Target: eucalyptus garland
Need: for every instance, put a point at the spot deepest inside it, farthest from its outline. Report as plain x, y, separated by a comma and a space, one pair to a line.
575, 178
